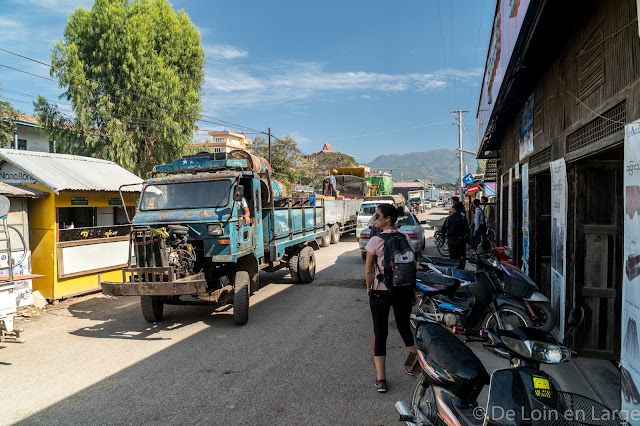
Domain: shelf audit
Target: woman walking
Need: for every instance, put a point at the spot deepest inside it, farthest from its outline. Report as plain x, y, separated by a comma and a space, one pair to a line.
381, 299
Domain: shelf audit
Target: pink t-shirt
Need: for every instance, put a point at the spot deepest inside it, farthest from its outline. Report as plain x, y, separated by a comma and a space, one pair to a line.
376, 247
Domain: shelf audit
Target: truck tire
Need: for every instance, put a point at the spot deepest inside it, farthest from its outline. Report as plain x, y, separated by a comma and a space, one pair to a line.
293, 267
307, 265
152, 308
241, 297
325, 240
335, 233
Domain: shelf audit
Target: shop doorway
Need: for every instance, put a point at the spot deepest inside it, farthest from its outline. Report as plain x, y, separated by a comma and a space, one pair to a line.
540, 243
597, 270
516, 205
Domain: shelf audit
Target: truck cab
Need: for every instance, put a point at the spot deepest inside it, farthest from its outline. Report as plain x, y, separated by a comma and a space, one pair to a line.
189, 241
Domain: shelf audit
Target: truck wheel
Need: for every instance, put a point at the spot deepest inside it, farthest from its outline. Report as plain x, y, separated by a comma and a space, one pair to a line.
152, 308
293, 267
335, 233
307, 265
325, 240
241, 297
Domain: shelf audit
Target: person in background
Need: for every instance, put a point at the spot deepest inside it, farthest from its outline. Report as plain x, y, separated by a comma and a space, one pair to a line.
479, 224
456, 200
485, 206
243, 211
457, 231
381, 299
332, 183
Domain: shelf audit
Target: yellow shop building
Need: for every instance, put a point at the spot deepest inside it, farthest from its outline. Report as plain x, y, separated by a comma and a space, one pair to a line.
78, 233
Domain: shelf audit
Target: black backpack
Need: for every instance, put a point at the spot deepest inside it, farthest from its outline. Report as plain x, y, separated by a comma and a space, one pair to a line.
399, 262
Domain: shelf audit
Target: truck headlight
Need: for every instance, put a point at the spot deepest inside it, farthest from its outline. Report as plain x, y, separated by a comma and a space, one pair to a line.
214, 229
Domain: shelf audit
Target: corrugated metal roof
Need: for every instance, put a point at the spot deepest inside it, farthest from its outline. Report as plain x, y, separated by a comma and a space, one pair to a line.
21, 191
62, 172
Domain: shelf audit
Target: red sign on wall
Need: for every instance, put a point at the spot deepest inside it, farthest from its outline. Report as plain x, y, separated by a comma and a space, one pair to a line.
473, 188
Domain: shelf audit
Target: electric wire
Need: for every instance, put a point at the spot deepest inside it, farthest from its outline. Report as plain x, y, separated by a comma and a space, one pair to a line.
453, 55
444, 56
377, 134
475, 61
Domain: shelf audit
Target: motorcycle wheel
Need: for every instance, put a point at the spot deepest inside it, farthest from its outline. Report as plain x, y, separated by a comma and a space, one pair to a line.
546, 318
424, 400
511, 317
442, 248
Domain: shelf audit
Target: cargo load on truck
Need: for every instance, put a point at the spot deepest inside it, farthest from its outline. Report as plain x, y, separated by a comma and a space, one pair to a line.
384, 184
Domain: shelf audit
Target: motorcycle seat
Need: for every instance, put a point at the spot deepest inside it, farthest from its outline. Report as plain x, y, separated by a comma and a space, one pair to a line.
444, 261
436, 279
446, 350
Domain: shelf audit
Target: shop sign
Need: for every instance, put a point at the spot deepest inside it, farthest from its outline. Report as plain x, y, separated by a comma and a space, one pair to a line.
473, 188
13, 175
559, 194
115, 201
79, 201
506, 27
630, 351
468, 179
93, 233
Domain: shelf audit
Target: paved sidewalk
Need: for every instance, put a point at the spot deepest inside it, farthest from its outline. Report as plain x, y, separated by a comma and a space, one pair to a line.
594, 378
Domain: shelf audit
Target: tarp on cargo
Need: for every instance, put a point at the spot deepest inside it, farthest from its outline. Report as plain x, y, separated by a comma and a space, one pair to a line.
384, 183
346, 184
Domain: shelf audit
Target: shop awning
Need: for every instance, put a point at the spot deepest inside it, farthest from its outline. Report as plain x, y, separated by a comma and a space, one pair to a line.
20, 191
63, 172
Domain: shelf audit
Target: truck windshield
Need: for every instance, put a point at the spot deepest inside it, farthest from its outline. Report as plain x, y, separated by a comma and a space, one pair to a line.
191, 195
368, 209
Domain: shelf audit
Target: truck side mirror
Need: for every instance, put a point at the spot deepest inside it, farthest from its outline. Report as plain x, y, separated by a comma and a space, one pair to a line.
238, 194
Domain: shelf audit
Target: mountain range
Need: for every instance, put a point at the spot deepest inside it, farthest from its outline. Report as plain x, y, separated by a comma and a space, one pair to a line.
439, 165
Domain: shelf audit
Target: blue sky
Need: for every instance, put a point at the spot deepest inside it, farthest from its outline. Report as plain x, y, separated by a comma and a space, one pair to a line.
368, 77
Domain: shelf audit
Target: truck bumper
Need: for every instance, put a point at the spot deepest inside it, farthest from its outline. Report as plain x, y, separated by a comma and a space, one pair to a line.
194, 284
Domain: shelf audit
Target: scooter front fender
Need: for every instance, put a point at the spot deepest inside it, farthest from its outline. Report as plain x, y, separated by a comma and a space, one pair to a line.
504, 300
538, 297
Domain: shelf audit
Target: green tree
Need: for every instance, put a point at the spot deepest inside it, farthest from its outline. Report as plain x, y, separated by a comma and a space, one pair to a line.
133, 71
8, 116
322, 166
285, 154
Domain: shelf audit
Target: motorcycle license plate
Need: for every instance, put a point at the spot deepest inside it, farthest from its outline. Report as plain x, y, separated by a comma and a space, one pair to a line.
541, 387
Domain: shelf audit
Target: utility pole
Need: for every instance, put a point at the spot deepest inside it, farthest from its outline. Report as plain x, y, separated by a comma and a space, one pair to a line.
269, 146
460, 150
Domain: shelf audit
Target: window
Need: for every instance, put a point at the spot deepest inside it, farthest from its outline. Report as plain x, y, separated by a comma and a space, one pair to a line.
52, 146
219, 140
22, 144
192, 195
217, 150
229, 140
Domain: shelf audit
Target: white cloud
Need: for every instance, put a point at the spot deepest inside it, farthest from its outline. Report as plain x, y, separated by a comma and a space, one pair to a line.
224, 51
62, 7
237, 85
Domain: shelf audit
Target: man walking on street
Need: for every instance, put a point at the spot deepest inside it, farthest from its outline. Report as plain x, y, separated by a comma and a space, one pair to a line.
332, 183
479, 224
457, 231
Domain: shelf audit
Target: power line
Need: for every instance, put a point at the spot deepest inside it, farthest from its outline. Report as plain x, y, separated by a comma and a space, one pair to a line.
376, 134
444, 57
453, 56
475, 61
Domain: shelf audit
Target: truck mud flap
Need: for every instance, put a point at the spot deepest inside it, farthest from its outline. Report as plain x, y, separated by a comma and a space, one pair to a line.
195, 284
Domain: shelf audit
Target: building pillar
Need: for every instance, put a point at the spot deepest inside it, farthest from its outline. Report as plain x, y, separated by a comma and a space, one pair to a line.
15, 139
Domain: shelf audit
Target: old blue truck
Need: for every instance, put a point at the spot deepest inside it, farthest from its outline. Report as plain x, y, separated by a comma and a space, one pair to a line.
190, 245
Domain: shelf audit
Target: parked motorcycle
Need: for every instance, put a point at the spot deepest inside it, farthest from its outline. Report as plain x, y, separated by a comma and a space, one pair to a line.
522, 293
448, 300
452, 377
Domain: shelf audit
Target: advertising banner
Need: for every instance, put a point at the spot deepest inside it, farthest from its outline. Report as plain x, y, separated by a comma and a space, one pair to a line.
525, 129
525, 218
559, 196
630, 352
510, 212
506, 28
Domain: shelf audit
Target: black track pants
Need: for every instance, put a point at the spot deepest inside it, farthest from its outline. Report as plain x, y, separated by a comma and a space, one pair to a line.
381, 302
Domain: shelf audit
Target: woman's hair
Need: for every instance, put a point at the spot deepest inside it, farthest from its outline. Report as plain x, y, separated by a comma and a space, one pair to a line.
392, 212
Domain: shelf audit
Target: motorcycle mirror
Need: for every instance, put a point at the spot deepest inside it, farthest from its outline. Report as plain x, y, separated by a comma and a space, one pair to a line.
576, 316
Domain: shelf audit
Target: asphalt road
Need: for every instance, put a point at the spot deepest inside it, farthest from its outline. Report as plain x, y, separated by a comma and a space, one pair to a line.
305, 357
